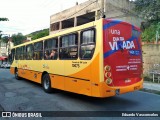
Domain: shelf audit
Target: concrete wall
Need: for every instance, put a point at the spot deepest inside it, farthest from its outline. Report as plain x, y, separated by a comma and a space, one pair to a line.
3, 49
77, 10
10, 45
115, 9
151, 57
122, 10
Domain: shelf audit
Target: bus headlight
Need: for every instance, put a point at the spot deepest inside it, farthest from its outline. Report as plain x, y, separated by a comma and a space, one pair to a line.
108, 81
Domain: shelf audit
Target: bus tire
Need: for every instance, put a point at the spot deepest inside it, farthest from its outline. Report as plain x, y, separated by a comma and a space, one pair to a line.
46, 83
16, 74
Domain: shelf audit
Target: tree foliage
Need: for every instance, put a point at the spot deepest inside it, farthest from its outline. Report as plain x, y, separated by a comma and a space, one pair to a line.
149, 33
39, 34
4, 19
150, 11
18, 38
5, 39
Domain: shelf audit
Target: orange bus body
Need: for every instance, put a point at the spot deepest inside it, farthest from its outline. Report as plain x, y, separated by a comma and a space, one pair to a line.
83, 72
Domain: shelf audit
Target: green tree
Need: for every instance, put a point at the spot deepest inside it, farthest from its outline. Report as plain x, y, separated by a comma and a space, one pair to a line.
5, 39
4, 19
18, 38
149, 34
39, 34
150, 11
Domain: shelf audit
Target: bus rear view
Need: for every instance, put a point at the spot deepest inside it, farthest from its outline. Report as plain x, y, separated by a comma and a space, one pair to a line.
122, 57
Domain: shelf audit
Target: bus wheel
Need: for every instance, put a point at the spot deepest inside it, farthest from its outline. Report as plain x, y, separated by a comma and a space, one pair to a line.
16, 74
46, 83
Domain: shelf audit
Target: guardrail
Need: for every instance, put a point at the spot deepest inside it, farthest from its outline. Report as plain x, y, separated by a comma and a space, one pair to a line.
156, 73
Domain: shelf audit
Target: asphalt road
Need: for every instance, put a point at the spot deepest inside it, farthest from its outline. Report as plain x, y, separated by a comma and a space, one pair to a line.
23, 95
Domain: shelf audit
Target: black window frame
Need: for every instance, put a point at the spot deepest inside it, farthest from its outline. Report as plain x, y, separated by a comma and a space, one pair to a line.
17, 53
94, 43
55, 48
27, 53
69, 46
22, 52
38, 50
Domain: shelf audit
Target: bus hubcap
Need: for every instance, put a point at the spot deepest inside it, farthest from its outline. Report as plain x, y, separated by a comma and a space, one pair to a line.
16, 74
46, 83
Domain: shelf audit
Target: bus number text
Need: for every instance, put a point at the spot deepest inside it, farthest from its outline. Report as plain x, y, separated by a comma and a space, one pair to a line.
76, 65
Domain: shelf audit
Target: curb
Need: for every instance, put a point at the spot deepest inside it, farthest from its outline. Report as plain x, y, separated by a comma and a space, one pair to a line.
150, 91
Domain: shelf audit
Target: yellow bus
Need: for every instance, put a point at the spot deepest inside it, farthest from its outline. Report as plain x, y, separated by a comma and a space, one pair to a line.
100, 59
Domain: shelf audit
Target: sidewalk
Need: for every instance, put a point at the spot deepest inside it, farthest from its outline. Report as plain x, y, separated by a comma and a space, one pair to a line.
151, 86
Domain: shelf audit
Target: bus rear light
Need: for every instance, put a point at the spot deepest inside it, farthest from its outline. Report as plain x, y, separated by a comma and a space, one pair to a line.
108, 81
108, 74
107, 68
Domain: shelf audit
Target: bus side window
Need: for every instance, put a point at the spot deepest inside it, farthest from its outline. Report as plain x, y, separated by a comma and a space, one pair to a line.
69, 46
21, 52
29, 52
18, 53
50, 49
38, 51
87, 44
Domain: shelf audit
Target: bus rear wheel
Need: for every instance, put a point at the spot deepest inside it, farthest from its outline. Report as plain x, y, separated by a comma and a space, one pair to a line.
16, 74
46, 83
